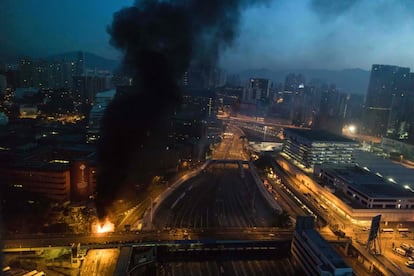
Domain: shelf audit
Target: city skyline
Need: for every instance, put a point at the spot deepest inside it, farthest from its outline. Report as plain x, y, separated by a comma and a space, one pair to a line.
170, 163
275, 35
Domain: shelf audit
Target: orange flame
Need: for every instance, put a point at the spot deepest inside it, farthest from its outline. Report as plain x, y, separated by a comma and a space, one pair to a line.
105, 227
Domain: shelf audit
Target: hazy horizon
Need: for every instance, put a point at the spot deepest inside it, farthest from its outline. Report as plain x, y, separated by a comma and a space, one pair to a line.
311, 34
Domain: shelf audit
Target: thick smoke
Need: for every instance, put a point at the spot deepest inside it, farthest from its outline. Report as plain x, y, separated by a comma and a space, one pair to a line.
328, 9
159, 39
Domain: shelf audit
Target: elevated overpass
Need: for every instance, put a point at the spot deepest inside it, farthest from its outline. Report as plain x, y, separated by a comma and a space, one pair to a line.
226, 161
282, 236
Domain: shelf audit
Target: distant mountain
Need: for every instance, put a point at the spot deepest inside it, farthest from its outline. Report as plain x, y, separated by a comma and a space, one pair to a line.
348, 80
92, 61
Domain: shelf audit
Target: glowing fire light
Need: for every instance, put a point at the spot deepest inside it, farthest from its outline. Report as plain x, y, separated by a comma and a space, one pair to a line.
105, 227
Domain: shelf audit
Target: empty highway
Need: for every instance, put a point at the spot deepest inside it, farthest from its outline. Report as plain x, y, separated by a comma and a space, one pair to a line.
219, 197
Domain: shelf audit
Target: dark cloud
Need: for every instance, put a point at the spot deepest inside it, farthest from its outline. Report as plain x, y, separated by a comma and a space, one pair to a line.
283, 34
326, 35
159, 40
328, 9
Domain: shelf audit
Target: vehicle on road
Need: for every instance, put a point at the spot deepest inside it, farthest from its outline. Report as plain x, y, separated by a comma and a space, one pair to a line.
400, 251
410, 264
405, 246
339, 233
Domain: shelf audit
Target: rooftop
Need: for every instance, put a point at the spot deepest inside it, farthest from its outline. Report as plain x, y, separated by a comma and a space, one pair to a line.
42, 166
371, 184
319, 135
325, 248
389, 169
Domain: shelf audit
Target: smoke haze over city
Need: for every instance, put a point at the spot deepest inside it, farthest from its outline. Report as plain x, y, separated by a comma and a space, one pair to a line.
279, 34
157, 55
195, 137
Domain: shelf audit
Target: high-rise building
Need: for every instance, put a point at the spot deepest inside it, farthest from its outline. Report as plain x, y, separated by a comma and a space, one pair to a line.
40, 73
294, 82
26, 72
44, 73
304, 106
55, 74
332, 105
85, 87
199, 76
80, 65
386, 91
103, 99
308, 148
410, 114
257, 89
3, 86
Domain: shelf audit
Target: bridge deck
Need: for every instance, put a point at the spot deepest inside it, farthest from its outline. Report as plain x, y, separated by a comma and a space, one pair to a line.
223, 161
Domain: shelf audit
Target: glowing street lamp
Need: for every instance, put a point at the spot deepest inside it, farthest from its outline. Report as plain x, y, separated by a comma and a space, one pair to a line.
352, 129
392, 180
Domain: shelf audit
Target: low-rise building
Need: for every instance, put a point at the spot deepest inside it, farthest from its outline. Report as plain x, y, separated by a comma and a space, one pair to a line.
349, 206
307, 148
314, 254
370, 190
51, 180
66, 173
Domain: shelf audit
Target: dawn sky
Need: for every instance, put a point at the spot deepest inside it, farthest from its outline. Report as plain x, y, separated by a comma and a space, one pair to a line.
283, 34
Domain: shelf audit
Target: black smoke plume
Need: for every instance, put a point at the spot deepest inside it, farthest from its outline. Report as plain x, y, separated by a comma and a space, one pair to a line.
159, 39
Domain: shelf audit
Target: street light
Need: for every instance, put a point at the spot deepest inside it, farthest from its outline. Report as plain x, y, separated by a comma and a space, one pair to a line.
352, 129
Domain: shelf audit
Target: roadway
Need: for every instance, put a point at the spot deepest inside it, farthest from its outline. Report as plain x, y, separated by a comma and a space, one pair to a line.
114, 239
307, 199
252, 120
223, 195
231, 146
234, 267
221, 203
219, 197
132, 216
284, 197
208, 257
388, 241
226, 258
390, 262
99, 262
